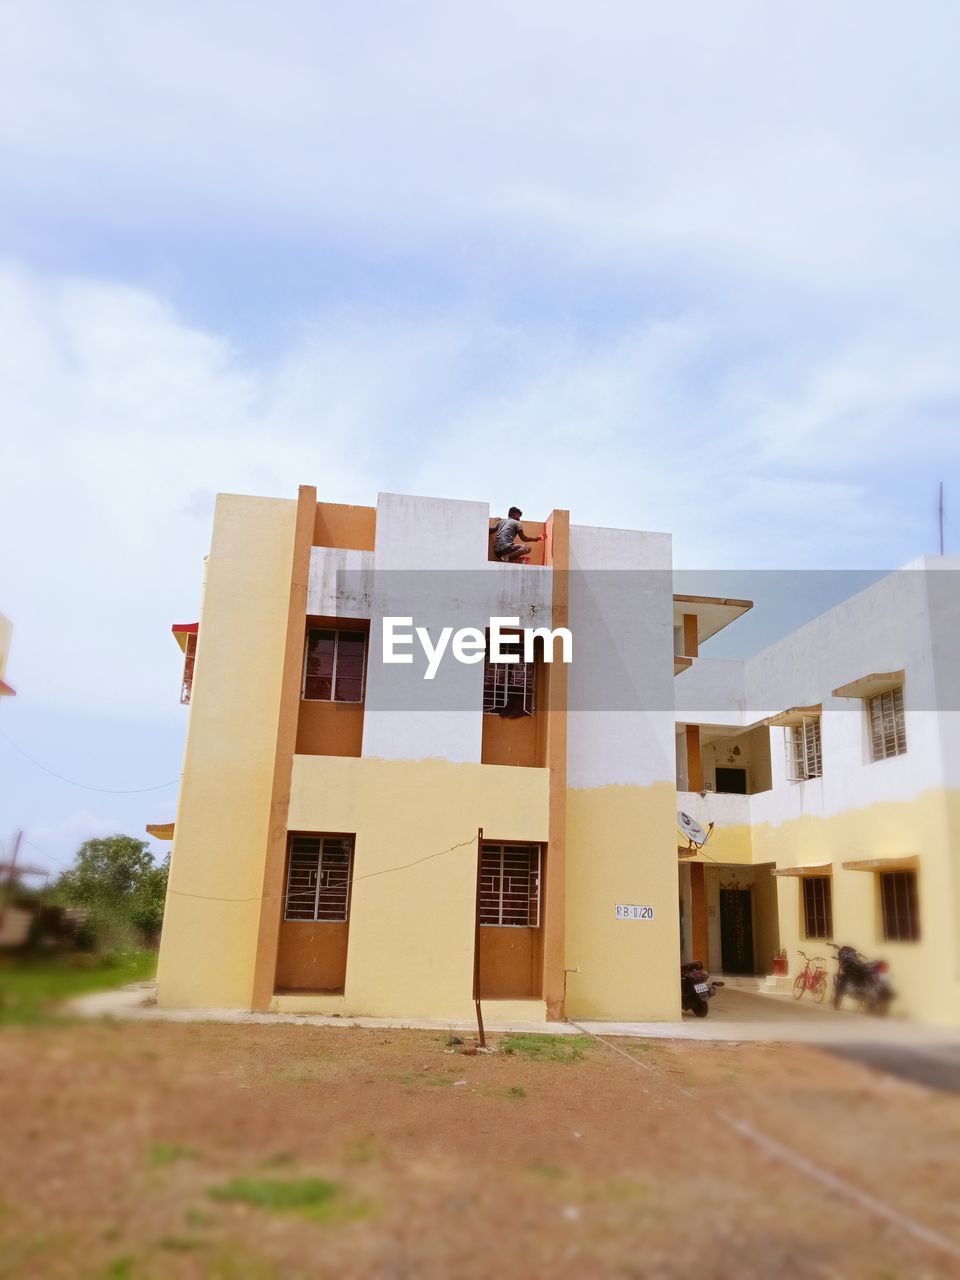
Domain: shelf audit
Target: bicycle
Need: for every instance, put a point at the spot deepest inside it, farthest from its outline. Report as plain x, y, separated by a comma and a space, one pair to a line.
811, 979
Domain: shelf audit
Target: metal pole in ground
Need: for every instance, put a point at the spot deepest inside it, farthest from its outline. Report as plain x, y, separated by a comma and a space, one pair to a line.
10, 877
476, 946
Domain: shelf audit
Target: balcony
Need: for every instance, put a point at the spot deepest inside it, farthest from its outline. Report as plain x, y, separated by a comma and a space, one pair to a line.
731, 839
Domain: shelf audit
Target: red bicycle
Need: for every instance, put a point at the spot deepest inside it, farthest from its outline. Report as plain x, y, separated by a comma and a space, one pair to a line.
811, 978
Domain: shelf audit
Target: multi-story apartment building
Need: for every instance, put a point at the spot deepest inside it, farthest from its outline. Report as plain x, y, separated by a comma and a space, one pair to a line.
354, 837
830, 766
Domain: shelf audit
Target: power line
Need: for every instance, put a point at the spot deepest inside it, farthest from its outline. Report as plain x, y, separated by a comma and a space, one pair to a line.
58, 861
266, 897
105, 791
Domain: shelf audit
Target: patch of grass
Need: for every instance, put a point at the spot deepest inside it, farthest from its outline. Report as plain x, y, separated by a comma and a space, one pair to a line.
364, 1150
278, 1161
180, 1244
546, 1170
164, 1153
29, 988
198, 1218
312, 1196
419, 1077
119, 1269
516, 1092
541, 1048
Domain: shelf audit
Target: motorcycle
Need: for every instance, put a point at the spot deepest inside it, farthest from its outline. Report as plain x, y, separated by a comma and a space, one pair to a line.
868, 981
696, 989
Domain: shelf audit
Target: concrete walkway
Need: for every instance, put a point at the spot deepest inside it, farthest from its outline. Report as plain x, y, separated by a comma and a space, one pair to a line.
735, 1015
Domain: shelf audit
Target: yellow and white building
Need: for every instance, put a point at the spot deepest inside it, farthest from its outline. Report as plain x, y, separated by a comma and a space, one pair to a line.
830, 766
352, 838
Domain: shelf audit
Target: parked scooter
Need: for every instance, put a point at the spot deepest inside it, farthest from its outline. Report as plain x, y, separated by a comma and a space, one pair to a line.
696, 989
868, 981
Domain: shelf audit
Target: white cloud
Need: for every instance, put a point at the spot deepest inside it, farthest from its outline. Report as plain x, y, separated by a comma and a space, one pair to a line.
802, 143
52, 846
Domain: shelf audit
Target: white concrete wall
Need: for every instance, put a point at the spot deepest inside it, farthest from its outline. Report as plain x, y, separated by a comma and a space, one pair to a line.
341, 583
884, 628
419, 540
723, 811
943, 601
429, 563
712, 691
620, 725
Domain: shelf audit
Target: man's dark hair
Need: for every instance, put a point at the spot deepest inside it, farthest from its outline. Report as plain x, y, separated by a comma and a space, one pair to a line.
514, 513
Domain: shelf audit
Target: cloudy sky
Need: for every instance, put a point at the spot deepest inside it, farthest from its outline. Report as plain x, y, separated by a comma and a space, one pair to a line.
690, 268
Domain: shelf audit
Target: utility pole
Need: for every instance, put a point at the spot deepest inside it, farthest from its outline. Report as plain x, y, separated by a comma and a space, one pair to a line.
10, 877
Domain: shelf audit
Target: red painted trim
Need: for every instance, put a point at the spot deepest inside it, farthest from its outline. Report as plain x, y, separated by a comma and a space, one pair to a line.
185, 628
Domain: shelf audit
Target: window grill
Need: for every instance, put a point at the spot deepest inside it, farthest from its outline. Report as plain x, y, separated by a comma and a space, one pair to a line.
509, 688
333, 665
189, 661
887, 728
804, 751
900, 905
818, 907
318, 878
510, 885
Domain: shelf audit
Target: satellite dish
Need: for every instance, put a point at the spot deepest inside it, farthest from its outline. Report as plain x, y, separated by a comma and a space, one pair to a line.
692, 829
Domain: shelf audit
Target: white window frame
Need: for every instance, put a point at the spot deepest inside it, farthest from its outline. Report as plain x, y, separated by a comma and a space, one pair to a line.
879, 706
804, 747
336, 633
504, 680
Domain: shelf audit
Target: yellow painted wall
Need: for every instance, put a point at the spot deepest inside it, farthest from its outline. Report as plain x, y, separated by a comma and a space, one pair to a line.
212, 918
923, 973
621, 848
733, 844
412, 915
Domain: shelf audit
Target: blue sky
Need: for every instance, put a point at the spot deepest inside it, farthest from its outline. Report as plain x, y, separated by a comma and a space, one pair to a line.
686, 268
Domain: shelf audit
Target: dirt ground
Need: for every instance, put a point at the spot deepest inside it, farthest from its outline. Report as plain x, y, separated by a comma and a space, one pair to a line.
145, 1150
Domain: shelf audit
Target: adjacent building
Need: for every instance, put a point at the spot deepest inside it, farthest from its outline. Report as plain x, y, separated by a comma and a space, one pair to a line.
830, 766
355, 838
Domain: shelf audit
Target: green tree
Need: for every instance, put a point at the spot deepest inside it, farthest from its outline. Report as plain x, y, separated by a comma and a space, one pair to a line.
148, 900
116, 879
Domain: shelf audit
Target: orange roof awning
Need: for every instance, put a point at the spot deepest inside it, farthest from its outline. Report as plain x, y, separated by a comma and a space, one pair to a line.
810, 869
867, 686
160, 830
897, 862
183, 629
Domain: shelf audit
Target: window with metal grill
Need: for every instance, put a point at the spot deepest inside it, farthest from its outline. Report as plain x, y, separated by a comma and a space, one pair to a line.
901, 908
509, 688
318, 878
333, 665
510, 885
818, 906
888, 735
804, 753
